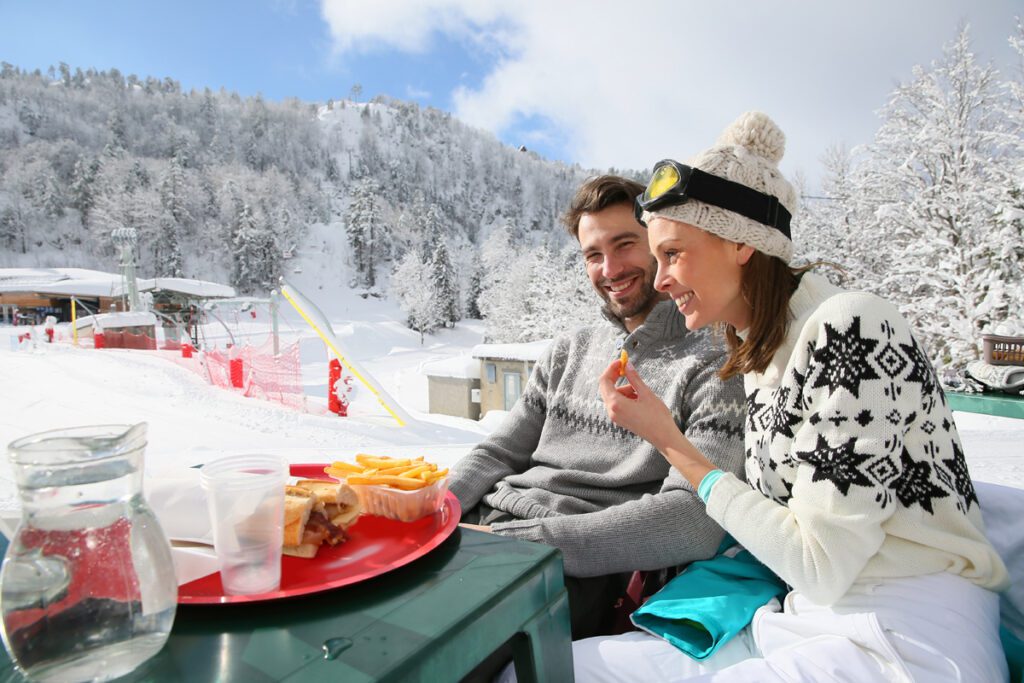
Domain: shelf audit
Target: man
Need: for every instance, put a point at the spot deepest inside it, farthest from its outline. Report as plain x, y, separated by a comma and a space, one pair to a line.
559, 472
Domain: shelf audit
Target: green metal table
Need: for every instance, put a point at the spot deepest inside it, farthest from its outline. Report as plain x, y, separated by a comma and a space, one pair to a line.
433, 620
1003, 405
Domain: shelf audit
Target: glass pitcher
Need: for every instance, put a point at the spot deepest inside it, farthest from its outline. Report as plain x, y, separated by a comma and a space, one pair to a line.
87, 589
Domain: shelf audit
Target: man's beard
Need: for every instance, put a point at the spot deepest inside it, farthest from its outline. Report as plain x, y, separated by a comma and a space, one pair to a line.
642, 302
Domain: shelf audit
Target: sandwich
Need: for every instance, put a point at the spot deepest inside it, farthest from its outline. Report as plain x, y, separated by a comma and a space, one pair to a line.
317, 512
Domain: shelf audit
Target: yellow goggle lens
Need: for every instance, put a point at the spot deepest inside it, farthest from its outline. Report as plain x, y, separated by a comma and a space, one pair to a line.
663, 180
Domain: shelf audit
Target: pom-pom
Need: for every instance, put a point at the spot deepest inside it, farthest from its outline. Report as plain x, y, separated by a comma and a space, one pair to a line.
758, 134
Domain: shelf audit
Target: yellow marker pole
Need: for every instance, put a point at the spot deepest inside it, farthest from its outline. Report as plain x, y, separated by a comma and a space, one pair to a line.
74, 317
330, 344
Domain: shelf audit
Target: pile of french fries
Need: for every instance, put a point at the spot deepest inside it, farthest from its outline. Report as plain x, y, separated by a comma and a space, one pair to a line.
407, 474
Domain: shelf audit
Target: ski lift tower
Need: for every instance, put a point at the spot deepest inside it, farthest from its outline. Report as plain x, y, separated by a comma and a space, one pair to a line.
125, 240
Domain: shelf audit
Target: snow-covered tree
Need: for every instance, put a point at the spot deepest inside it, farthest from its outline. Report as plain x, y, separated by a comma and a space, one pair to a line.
255, 258
367, 231
507, 270
410, 285
937, 172
473, 293
444, 286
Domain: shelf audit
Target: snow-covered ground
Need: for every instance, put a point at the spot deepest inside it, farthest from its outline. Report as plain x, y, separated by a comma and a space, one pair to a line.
56, 385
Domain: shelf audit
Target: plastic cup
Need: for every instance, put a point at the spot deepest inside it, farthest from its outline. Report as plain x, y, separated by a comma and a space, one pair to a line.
245, 497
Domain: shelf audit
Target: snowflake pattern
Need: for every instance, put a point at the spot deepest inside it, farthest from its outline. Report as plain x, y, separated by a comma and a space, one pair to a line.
840, 465
844, 359
961, 478
851, 359
915, 485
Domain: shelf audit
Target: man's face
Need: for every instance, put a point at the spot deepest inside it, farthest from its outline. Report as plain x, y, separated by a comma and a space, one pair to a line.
619, 262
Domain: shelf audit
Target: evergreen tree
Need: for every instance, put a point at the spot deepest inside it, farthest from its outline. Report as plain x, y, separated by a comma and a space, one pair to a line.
367, 232
174, 191
247, 251
83, 192
168, 257
444, 287
473, 294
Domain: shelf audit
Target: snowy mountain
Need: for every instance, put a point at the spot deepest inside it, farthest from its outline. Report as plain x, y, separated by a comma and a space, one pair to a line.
406, 203
243, 190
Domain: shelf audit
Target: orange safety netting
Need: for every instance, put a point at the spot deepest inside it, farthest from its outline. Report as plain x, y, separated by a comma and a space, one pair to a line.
258, 372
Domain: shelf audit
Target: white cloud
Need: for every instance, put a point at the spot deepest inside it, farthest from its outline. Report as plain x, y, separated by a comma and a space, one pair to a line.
628, 84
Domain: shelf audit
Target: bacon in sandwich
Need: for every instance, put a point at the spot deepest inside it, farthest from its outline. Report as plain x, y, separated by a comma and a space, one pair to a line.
317, 512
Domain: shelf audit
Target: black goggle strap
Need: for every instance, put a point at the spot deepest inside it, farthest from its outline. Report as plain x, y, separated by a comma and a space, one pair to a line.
731, 196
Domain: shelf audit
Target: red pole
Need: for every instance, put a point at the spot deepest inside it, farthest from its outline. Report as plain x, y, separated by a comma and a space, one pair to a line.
333, 377
236, 368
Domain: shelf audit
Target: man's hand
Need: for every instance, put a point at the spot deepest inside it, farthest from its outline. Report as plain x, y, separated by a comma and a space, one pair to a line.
476, 527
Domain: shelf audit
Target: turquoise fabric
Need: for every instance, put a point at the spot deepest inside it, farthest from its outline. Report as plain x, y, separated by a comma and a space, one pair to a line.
1014, 649
709, 603
706, 484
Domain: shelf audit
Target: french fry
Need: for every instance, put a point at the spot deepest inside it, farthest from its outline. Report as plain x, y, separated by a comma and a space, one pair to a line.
337, 473
348, 467
434, 476
395, 470
386, 480
381, 470
623, 359
415, 471
381, 463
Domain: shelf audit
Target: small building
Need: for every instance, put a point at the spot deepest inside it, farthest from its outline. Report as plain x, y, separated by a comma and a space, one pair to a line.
28, 295
504, 370
453, 387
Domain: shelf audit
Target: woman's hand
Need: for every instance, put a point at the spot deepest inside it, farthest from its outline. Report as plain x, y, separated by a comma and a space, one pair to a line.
636, 408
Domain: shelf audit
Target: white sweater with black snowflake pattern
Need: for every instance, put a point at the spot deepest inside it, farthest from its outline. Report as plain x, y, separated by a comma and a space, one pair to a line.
854, 465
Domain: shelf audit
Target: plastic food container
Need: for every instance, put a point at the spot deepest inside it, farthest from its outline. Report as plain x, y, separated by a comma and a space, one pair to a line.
1001, 350
405, 506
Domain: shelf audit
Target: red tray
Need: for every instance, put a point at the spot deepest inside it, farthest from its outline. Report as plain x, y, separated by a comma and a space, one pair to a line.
375, 545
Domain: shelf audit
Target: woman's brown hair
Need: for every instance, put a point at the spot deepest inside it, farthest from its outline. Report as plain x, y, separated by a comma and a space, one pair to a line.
767, 283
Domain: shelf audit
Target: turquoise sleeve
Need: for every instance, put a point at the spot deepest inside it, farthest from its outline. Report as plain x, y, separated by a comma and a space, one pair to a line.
706, 484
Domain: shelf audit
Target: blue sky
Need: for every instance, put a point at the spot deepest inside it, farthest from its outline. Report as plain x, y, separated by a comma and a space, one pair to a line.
594, 82
278, 49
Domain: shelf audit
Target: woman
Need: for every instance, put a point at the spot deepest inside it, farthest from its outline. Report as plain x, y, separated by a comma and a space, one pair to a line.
858, 495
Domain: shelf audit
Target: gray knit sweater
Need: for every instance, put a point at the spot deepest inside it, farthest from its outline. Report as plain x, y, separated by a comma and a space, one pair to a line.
605, 497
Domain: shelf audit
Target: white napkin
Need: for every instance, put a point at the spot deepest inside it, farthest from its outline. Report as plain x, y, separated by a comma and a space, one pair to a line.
179, 503
192, 562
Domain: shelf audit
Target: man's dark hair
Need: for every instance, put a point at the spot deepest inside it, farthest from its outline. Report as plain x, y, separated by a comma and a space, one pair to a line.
599, 193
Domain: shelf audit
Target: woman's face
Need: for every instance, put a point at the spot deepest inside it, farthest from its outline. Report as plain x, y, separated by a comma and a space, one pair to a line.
701, 272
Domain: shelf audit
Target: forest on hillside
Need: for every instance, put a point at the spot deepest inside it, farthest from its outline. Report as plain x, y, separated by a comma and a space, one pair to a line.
452, 223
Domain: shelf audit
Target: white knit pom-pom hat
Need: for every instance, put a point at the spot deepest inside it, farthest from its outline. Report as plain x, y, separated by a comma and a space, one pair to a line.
748, 152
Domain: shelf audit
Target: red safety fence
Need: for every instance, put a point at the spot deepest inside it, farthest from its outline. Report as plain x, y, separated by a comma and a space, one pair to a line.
253, 370
258, 373
124, 338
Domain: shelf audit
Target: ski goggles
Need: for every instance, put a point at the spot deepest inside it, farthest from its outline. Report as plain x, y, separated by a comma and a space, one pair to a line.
673, 183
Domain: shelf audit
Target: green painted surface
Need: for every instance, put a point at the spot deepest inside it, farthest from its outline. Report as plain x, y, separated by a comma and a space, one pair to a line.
432, 620
1003, 405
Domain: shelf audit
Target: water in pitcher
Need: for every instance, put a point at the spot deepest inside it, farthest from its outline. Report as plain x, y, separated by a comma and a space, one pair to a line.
87, 589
